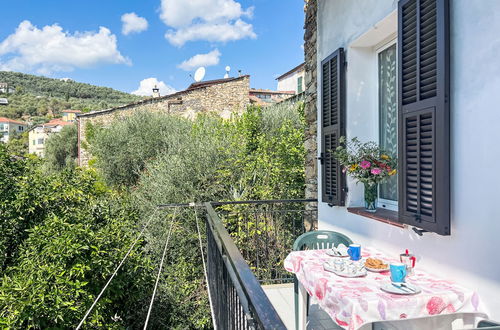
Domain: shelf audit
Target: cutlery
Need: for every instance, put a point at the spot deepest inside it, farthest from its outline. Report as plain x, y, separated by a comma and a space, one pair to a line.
407, 287
400, 287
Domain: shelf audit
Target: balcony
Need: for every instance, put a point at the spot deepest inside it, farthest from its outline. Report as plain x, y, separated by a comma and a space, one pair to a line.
247, 243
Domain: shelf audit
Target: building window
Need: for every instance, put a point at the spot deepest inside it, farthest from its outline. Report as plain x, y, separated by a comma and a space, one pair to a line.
34, 142
40, 141
1, 127
21, 128
300, 89
388, 119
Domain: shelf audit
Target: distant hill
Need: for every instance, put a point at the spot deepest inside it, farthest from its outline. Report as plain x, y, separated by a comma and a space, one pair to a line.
41, 97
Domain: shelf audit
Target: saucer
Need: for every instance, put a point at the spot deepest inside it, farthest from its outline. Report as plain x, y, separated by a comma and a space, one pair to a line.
397, 289
332, 253
328, 267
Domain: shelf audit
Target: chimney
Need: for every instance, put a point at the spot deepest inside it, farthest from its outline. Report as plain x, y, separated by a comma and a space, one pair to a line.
156, 91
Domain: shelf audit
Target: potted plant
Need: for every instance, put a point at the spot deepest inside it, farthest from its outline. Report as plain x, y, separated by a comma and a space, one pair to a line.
366, 163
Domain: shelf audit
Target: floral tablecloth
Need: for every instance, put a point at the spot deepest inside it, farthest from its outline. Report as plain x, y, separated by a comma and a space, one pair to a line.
352, 302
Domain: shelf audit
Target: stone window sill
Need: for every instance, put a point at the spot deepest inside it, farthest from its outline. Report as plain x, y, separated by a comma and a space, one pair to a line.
382, 215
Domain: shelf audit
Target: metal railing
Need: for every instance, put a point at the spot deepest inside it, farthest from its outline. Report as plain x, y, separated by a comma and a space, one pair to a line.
246, 245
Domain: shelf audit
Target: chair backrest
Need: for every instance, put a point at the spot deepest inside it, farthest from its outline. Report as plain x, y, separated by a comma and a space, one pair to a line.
320, 239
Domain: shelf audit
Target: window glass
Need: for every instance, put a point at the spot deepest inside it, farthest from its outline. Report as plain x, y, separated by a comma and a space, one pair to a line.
1, 127
40, 141
388, 116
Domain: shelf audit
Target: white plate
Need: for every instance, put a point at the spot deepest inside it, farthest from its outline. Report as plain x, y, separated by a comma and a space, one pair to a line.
333, 254
390, 288
377, 270
330, 268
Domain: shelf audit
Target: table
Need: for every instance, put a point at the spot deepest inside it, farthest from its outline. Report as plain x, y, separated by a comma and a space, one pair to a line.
353, 302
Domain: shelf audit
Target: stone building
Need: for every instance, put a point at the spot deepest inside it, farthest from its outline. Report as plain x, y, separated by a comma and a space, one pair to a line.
221, 96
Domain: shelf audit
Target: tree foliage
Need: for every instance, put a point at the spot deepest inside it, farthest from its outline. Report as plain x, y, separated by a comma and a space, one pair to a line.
62, 237
44, 97
61, 150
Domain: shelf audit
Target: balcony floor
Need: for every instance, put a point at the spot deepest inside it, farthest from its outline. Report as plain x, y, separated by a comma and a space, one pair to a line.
281, 296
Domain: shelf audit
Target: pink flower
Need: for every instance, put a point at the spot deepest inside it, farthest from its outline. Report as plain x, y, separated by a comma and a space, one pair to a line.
365, 164
376, 171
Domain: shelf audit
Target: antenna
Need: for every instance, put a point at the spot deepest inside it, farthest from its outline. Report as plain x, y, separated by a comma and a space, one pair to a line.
199, 74
228, 68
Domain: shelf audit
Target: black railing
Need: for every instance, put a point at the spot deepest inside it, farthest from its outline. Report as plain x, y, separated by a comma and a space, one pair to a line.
264, 232
237, 298
249, 239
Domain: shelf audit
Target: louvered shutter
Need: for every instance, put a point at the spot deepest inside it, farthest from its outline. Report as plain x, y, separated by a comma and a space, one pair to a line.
332, 126
424, 125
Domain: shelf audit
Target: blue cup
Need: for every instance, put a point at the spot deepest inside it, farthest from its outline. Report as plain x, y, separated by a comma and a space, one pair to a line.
354, 251
398, 273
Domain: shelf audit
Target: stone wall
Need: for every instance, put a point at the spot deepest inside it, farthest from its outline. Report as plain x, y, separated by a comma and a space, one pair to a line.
222, 97
310, 110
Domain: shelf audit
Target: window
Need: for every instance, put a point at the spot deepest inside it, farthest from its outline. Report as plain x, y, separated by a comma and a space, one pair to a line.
388, 119
299, 85
34, 142
1, 127
40, 141
21, 128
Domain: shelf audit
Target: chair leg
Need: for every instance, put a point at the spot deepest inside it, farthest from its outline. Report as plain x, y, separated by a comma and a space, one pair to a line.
296, 301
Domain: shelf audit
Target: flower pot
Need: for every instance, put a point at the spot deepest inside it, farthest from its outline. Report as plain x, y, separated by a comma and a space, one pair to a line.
371, 194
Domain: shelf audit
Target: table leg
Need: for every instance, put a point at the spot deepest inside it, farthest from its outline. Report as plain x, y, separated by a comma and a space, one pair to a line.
302, 310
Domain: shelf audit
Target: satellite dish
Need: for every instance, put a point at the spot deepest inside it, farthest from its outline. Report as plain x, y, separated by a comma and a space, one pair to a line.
199, 74
228, 68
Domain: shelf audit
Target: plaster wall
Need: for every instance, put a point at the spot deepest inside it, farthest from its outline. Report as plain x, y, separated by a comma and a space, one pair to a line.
469, 255
290, 82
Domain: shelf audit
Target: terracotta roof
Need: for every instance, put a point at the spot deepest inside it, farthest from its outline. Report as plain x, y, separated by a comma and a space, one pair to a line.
297, 68
212, 82
71, 111
58, 122
193, 86
7, 120
268, 91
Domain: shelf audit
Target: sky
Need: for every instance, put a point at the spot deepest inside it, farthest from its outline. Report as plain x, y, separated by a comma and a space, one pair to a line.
131, 45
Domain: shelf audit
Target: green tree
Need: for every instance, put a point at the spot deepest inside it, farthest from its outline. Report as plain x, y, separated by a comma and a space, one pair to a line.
61, 150
62, 237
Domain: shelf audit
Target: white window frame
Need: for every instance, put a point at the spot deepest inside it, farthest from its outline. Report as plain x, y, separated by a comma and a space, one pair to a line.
381, 202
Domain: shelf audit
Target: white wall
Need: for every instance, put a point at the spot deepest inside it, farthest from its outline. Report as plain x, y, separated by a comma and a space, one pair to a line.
475, 154
289, 82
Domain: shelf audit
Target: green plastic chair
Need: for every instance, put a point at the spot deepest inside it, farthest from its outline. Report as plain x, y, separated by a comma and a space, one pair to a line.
315, 240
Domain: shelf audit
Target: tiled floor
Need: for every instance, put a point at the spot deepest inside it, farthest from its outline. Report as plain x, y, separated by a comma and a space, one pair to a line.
281, 296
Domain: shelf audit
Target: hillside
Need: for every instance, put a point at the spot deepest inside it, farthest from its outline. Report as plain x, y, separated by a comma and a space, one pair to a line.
41, 97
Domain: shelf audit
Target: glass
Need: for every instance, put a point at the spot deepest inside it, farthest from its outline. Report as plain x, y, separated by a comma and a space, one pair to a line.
370, 197
388, 115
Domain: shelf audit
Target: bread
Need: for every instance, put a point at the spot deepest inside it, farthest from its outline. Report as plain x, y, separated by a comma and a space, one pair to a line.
375, 263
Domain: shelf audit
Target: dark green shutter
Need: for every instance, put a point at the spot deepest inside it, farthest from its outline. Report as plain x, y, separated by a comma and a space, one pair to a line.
424, 114
332, 126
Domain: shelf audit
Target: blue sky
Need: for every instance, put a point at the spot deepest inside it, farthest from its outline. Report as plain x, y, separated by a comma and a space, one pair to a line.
263, 38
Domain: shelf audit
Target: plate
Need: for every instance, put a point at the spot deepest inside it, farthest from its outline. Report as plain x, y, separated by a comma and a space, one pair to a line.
330, 268
333, 254
391, 288
377, 270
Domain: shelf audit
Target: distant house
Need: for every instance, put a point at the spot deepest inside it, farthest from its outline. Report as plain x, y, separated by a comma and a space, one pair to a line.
4, 101
5, 88
292, 80
266, 96
69, 115
10, 127
39, 134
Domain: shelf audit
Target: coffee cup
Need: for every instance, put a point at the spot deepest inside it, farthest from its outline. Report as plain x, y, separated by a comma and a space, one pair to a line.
338, 265
354, 252
398, 272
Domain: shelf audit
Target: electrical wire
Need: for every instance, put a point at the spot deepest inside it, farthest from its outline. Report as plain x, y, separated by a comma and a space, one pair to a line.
172, 222
116, 270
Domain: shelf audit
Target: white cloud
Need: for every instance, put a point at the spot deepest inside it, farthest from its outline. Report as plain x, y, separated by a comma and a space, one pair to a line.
211, 20
133, 23
146, 87
208, 59
51, 49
